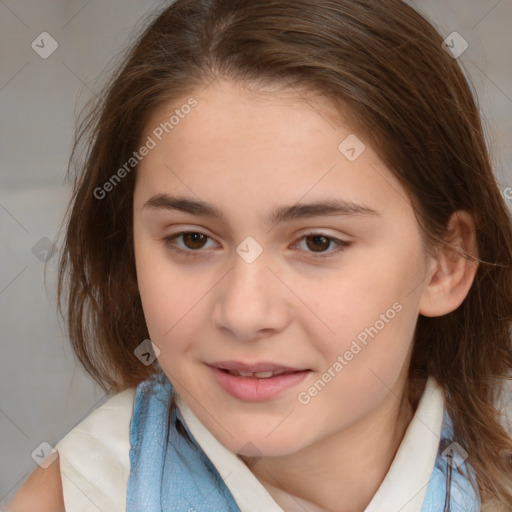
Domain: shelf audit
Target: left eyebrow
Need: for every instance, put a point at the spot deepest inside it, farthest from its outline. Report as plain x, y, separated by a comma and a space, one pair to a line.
328, 207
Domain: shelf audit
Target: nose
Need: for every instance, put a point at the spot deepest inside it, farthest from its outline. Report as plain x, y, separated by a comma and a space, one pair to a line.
251, 301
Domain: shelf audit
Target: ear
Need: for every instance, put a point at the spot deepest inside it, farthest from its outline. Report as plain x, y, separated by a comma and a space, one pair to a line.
454, 268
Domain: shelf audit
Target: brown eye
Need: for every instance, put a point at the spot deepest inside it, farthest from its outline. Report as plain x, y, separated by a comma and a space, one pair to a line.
194, 240
189, 243
318, 243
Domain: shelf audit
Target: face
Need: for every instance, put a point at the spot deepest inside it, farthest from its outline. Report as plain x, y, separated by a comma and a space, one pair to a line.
269, 244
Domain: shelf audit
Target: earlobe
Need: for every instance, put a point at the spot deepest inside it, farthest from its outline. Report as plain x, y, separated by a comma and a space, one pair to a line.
454, 268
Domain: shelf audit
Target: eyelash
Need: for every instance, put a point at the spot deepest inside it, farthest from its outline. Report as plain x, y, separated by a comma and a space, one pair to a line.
170, 244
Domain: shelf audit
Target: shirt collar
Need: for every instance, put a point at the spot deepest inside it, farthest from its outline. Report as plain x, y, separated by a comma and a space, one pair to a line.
405, 484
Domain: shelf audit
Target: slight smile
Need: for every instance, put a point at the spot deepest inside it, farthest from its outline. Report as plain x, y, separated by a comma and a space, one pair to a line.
256, 382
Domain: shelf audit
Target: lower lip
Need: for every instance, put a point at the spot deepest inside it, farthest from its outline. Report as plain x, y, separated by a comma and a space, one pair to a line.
252, 389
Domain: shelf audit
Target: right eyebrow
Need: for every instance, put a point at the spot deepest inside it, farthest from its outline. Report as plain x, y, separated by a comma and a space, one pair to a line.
183, 204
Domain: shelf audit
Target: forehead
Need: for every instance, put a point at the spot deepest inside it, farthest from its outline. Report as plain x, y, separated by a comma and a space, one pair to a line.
239, 144
241, 108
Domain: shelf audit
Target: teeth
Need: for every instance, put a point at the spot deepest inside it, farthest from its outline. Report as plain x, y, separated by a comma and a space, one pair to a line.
259, 375
264, 375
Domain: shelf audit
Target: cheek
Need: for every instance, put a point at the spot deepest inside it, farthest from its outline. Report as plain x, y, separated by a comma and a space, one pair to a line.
364, 359
372, 314
160, 299
356, 299
171, 299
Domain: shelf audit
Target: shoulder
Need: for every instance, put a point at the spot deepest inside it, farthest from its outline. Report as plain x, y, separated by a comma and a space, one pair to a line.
41, 491
93, 466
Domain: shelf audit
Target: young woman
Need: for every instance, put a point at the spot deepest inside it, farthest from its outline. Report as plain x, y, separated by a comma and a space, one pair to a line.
294, 202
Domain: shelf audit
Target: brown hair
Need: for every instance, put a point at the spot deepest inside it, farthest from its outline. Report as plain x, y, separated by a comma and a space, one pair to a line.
384, 64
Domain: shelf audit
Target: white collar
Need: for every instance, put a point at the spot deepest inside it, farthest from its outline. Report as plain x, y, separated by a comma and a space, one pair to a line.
403, 488
405, 484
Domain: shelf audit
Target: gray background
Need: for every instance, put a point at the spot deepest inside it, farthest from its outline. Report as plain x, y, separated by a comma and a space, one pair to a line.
43, 392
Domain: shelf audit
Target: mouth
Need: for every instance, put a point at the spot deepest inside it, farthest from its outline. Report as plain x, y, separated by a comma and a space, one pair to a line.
256, 382
261, 367
257, 375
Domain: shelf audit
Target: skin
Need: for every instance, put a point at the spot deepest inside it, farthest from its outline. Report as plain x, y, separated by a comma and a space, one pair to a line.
40, 492
246, 154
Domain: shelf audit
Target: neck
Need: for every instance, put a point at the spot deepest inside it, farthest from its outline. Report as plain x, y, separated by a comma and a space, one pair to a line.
350, 464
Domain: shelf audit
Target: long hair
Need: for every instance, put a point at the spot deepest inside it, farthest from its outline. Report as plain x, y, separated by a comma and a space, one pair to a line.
385, 66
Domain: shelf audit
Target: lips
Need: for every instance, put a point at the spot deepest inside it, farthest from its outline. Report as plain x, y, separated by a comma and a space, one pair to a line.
258, 381
255, 367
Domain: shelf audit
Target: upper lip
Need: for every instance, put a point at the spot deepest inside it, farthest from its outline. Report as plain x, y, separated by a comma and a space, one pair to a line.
254, 367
